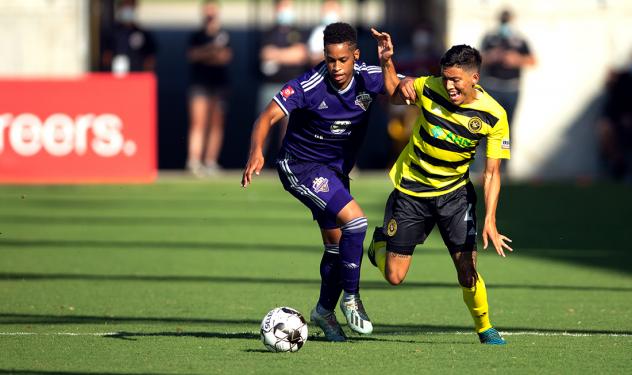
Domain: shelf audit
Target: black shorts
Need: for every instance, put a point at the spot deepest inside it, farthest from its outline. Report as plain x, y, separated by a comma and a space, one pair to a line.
408, 220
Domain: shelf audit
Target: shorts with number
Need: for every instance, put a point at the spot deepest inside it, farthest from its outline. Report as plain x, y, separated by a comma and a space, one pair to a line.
323, 190
408, 220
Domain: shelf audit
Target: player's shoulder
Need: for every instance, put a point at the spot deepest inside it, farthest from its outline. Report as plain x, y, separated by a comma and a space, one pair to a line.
364, 69
312, 78
490, 104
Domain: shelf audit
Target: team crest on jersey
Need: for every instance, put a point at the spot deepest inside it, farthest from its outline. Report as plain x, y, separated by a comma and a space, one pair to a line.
475, 124
339, 127
391, 228
287, 92
363, 100
320, 185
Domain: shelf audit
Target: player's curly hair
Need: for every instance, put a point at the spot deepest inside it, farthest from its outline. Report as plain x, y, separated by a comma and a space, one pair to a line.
463, 56
340, 32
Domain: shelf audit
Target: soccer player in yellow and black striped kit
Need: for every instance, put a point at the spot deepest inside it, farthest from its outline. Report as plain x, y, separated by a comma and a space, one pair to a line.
431, 175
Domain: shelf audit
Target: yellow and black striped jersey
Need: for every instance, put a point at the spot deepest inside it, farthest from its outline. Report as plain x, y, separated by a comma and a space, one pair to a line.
437, 158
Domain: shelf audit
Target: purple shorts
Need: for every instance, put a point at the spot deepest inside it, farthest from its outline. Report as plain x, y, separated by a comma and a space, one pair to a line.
323, 190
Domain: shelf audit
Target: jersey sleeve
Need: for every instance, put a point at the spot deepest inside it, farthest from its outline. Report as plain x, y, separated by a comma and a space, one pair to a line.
290, 97
498, 144
418, 84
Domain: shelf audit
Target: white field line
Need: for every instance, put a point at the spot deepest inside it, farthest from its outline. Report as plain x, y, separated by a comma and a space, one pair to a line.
514, 333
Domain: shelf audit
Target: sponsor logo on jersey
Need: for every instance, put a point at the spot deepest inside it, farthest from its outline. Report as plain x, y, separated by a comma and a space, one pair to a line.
320, 185
505, 145
475, 124
339, 127
391, 228
323, 105
363, 100
441, 133
287, 92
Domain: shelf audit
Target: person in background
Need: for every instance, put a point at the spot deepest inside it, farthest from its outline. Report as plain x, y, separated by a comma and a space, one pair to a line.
128, 48
505, 52
283, 56
614, 127
209, 55
330, 12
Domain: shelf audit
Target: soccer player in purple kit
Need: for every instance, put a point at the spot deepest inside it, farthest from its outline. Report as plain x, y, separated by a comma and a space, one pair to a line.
328, 109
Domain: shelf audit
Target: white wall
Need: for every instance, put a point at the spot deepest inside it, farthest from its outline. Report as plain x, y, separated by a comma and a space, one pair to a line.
43, 37
575, 43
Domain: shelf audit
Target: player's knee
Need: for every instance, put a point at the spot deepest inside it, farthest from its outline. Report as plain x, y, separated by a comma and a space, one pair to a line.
394, 277
467, 278
355, 226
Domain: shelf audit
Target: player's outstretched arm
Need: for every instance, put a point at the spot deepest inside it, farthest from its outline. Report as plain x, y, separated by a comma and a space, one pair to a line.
491, 187
261, 128
399, 92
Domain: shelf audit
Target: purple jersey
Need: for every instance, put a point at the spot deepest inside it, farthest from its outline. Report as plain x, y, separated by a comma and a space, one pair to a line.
328, 125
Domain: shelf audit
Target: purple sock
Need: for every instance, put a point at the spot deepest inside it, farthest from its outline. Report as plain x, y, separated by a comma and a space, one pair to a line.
330, 284
351, 242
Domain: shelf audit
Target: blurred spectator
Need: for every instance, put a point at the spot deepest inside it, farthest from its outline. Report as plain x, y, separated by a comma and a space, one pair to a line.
128, 48
209, 55
283, 56
330, 12
505, 52
615, 125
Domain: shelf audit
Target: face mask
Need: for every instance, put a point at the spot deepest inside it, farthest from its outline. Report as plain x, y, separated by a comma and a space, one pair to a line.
505, 30
126, 14
285, 17
330, 17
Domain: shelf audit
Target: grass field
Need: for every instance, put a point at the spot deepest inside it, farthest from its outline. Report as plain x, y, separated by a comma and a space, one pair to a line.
175, 277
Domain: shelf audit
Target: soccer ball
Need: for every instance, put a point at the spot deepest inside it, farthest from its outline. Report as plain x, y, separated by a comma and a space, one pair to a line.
283, 329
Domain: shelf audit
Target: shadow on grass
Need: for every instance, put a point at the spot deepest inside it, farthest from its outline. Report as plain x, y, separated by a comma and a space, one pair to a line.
49, 372
268, 280
97, 245
381, 329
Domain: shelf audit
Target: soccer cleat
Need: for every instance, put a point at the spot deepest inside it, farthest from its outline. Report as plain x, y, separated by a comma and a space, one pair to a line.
329, 324
377, 242
358, 320
491, 337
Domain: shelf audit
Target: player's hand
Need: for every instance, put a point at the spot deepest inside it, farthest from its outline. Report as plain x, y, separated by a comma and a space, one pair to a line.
407, 91
384, 45
499, 241
254, 165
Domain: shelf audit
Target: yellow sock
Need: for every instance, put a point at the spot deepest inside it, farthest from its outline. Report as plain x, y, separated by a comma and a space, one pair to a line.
380, 256
476, 300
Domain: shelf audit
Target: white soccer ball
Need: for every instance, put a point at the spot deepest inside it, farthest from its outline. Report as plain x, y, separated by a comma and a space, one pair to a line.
283, 329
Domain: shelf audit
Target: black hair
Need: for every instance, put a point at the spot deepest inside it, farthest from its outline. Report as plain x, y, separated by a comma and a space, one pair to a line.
463, 56
340, 32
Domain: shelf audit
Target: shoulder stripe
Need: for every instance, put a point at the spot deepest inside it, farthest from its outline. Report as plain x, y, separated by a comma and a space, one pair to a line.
442, 144
318, 75
313, 84
438, 162
437, 98
451, 126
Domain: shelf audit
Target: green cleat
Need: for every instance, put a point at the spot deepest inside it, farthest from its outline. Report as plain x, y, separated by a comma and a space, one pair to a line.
353, 310
491, 337
329, 324
378, 241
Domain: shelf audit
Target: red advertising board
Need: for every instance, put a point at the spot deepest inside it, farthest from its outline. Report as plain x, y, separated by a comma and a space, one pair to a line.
96, 128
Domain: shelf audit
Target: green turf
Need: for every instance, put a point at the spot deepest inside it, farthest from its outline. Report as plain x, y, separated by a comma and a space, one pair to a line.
181, 272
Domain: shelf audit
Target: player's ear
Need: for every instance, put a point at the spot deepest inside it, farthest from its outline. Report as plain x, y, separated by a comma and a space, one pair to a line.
475, 78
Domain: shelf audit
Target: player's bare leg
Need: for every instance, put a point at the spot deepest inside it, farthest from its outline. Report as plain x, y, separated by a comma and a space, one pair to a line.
393, 266
198, 109
475, 297
353, 226
215, 136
